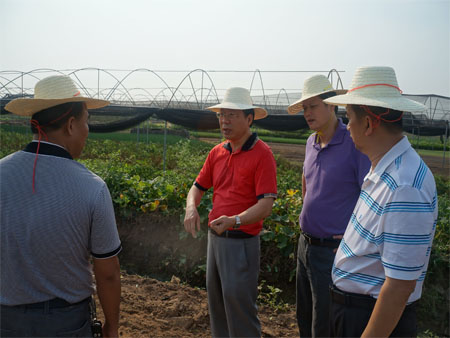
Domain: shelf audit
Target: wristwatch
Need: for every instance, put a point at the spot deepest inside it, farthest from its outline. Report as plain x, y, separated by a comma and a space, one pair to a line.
238, 222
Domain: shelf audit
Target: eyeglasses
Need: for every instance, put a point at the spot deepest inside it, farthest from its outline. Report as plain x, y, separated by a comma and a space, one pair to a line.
228, 116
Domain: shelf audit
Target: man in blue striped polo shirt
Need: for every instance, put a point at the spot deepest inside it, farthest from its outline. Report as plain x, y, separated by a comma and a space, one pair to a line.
382, 260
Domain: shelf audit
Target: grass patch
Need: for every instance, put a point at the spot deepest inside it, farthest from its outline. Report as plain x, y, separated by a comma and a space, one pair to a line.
262, 136
437, 153
142, 137
282, 140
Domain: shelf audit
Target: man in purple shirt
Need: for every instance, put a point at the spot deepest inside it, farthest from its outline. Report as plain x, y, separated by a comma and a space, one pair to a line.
333, 172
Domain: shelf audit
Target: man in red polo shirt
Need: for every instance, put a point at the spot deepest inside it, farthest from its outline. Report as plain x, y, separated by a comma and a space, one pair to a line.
242, 172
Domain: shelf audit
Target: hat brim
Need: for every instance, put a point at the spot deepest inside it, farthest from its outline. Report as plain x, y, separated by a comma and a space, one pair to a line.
297, 106
399, 103
29, 106
260, 113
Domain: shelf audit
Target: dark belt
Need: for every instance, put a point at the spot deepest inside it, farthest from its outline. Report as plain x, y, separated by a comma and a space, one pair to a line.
232, 234
355, 299
55, 303
328, 242
351, 299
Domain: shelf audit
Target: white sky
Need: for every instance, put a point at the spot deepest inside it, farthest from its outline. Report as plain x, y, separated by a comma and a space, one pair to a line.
411, 36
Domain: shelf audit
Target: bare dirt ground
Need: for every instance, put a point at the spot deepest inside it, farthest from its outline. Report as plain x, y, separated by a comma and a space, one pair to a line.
151, 308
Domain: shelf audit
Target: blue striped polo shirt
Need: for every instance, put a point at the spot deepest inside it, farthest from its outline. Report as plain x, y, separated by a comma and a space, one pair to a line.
391, 229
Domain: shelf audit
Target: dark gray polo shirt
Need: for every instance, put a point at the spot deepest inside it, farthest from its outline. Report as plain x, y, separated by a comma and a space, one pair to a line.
47, 238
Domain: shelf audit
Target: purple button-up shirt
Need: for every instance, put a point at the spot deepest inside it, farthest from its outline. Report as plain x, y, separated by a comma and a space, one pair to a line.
334, 175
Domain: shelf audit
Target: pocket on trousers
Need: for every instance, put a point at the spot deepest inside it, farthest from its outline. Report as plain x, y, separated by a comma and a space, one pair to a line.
84, 331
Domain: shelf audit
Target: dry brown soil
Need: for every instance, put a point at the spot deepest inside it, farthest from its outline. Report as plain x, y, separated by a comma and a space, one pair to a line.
150, 308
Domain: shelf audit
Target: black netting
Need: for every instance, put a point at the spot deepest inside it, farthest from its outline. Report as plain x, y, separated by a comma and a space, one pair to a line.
190, 118
115, 117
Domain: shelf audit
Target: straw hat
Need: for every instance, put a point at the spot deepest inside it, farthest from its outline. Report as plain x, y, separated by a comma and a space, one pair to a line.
239, 98
313, 86
378, 87
50, 92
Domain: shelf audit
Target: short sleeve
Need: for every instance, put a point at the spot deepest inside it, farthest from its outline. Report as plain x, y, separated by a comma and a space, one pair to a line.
266, 177
204, 179
407, 224
105, 240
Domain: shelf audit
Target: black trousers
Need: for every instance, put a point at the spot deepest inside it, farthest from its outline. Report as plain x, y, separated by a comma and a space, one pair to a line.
351, 312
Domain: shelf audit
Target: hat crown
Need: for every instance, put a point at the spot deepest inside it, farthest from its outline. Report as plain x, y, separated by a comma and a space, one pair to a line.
238, 95
378, 87
375, 81
316, 85
55, 87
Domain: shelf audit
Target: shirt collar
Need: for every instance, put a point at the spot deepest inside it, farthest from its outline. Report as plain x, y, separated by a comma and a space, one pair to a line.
248, 145
398, 149
338, 136
47, 148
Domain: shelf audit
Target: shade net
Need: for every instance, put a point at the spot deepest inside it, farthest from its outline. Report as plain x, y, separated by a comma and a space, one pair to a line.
114, 118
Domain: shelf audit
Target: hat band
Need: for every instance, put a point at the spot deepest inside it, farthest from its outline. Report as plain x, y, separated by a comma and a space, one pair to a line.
375, 84
379, 118
41, 132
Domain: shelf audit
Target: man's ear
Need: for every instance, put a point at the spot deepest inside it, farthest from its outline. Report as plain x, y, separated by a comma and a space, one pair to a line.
331, 108
69, 127
370, 125
250, 119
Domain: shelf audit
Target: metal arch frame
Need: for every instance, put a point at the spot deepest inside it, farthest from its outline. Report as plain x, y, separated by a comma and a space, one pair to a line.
22, 74
262, 86
339, 80
278, 96
189, 75
98, 81
432, 111
149, 96
120, 83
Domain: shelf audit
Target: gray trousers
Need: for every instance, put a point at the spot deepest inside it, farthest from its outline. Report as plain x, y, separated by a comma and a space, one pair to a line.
232, 286
23, 321
314, 265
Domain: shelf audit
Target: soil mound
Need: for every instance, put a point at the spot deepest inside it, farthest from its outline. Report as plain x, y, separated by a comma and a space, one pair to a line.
151, 308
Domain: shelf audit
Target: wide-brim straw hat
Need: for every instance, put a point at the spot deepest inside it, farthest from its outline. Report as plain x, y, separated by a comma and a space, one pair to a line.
378, 87
313, 86
239, 98
49, 92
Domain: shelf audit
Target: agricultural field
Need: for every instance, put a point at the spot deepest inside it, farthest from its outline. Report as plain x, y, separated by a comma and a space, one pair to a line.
149, 204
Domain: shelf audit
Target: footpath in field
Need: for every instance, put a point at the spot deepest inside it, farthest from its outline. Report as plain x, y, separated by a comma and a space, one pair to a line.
296, 153
151, 308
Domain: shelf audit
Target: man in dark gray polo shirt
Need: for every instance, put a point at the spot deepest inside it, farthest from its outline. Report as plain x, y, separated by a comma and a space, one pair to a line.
55, 216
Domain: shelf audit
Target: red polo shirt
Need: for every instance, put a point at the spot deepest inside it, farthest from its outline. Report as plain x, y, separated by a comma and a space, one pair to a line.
239, 179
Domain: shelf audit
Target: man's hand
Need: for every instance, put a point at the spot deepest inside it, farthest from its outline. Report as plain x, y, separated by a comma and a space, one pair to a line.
337, 237
192, 221
222, 223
